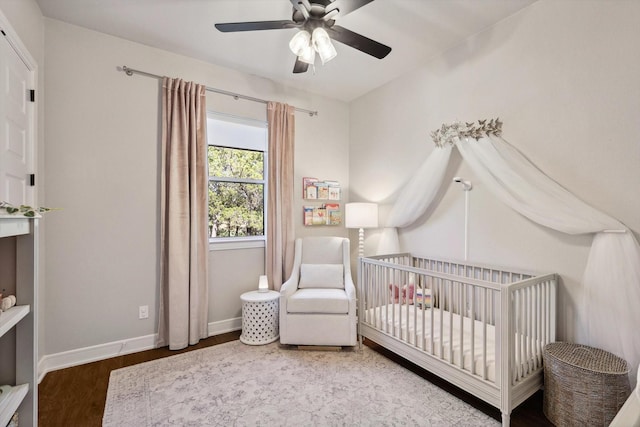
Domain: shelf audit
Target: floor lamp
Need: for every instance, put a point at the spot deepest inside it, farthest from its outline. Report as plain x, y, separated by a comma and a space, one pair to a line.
361, 216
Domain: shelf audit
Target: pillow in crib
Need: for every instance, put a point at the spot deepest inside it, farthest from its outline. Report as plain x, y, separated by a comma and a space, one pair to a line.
321, 276
406, 291
395, 293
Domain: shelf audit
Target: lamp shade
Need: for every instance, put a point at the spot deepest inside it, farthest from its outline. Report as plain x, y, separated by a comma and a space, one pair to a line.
322, 44
308, 55
300, 42
361, 215
263, 284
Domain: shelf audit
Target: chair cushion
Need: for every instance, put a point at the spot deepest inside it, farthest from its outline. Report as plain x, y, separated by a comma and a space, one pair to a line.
321, 276
325, 301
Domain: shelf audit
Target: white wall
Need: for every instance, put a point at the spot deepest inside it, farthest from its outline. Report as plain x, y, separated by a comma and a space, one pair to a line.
26, 19
563, 76
102, 170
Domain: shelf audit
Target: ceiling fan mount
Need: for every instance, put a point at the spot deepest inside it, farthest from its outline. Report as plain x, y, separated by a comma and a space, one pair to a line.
309, 15
315, 19
315, 11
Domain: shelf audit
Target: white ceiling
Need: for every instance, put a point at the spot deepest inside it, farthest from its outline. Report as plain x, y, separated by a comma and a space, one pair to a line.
416, 30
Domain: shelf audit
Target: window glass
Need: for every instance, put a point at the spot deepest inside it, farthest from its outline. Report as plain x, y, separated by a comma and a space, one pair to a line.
237, 178
235, 163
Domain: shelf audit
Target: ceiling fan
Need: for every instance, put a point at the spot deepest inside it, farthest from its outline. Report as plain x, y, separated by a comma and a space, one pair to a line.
316, 21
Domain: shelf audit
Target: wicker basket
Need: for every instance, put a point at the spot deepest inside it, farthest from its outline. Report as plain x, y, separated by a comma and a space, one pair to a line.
583, 385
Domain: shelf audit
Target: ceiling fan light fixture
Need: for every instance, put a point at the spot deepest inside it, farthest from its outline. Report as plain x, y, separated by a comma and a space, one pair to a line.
308, 55
300, 42
322, 44
314, 21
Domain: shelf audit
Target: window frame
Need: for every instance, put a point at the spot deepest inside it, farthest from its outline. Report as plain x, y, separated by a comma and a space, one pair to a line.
244, 242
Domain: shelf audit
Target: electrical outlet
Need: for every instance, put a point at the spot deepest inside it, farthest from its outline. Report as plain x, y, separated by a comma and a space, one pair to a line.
143, 312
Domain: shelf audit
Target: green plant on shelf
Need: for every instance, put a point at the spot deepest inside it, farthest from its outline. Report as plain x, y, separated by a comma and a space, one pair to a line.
24, 210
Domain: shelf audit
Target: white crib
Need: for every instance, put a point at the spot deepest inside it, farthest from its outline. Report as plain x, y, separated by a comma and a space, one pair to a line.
484, 329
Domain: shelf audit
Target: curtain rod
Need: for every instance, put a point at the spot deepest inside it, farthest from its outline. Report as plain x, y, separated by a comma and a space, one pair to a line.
130, 71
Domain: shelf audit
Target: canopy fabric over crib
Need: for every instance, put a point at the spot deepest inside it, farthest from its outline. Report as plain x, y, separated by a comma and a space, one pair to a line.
612, 276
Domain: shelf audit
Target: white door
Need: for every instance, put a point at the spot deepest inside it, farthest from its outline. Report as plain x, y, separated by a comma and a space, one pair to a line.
16, 128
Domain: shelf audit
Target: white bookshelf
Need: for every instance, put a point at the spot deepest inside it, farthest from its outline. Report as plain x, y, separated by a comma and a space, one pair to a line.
13, 226
11, 317
22, 396
10, 401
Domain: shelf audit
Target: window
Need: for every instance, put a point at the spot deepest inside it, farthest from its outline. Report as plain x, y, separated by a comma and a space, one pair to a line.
237, 178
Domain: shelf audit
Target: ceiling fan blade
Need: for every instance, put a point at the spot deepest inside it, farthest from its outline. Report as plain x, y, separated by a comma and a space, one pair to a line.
300, 67
254, 26
345, 6
301, 4
358, 41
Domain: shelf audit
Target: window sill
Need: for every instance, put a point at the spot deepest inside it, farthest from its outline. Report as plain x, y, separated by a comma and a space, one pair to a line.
236, 243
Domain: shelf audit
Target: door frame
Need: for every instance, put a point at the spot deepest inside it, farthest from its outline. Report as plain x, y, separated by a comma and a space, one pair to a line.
23, 53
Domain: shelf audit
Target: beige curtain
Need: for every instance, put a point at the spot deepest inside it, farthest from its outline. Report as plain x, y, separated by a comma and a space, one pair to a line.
280, 225
182, 317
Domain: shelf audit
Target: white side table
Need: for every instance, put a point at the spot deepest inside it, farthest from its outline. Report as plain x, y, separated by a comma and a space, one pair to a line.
260, 317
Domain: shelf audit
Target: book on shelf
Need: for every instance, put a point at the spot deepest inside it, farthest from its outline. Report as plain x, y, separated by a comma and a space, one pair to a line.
307, 215
308, 182
334, 192
311, 192
319, 216
334, 214
323, 190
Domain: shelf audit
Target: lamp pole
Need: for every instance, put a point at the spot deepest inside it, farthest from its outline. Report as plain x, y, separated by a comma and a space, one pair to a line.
360, 242
361, 216
466, 187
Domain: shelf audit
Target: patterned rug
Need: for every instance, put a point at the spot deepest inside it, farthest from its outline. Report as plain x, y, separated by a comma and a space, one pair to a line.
234, 384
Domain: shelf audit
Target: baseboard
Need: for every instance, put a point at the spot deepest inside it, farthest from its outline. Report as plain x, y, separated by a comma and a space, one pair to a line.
224, 326
80, 356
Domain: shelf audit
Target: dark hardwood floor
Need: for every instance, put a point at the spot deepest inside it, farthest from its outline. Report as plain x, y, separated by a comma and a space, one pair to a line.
76, 396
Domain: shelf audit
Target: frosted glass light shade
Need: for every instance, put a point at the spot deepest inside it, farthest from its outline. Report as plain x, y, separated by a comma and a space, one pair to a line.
308, 55
263, 284
361, 215
322, 44
299, 42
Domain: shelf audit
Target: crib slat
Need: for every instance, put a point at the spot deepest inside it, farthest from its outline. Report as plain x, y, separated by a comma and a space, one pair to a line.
532, 330
426, 285
473, 330
526, 330
441, 313
520, 335
450, 331
434, 284
484, 333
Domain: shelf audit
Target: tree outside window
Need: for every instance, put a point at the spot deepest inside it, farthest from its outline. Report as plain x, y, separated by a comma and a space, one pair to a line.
236, 192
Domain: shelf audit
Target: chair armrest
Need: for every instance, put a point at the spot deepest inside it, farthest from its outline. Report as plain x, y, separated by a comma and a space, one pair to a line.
290, 286
349, 287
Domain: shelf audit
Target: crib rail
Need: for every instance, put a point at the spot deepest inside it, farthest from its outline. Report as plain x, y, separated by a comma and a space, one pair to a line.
490, 323
531, 315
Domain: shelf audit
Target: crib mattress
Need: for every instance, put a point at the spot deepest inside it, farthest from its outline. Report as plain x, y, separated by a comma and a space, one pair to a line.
453, 335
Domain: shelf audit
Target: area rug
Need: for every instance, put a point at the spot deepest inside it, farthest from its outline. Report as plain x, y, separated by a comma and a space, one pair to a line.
234, 384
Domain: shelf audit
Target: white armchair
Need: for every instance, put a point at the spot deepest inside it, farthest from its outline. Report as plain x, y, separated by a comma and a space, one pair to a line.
318, 301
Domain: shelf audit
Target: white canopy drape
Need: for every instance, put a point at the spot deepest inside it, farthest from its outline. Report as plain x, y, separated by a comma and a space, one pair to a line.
415, 199
612, 277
